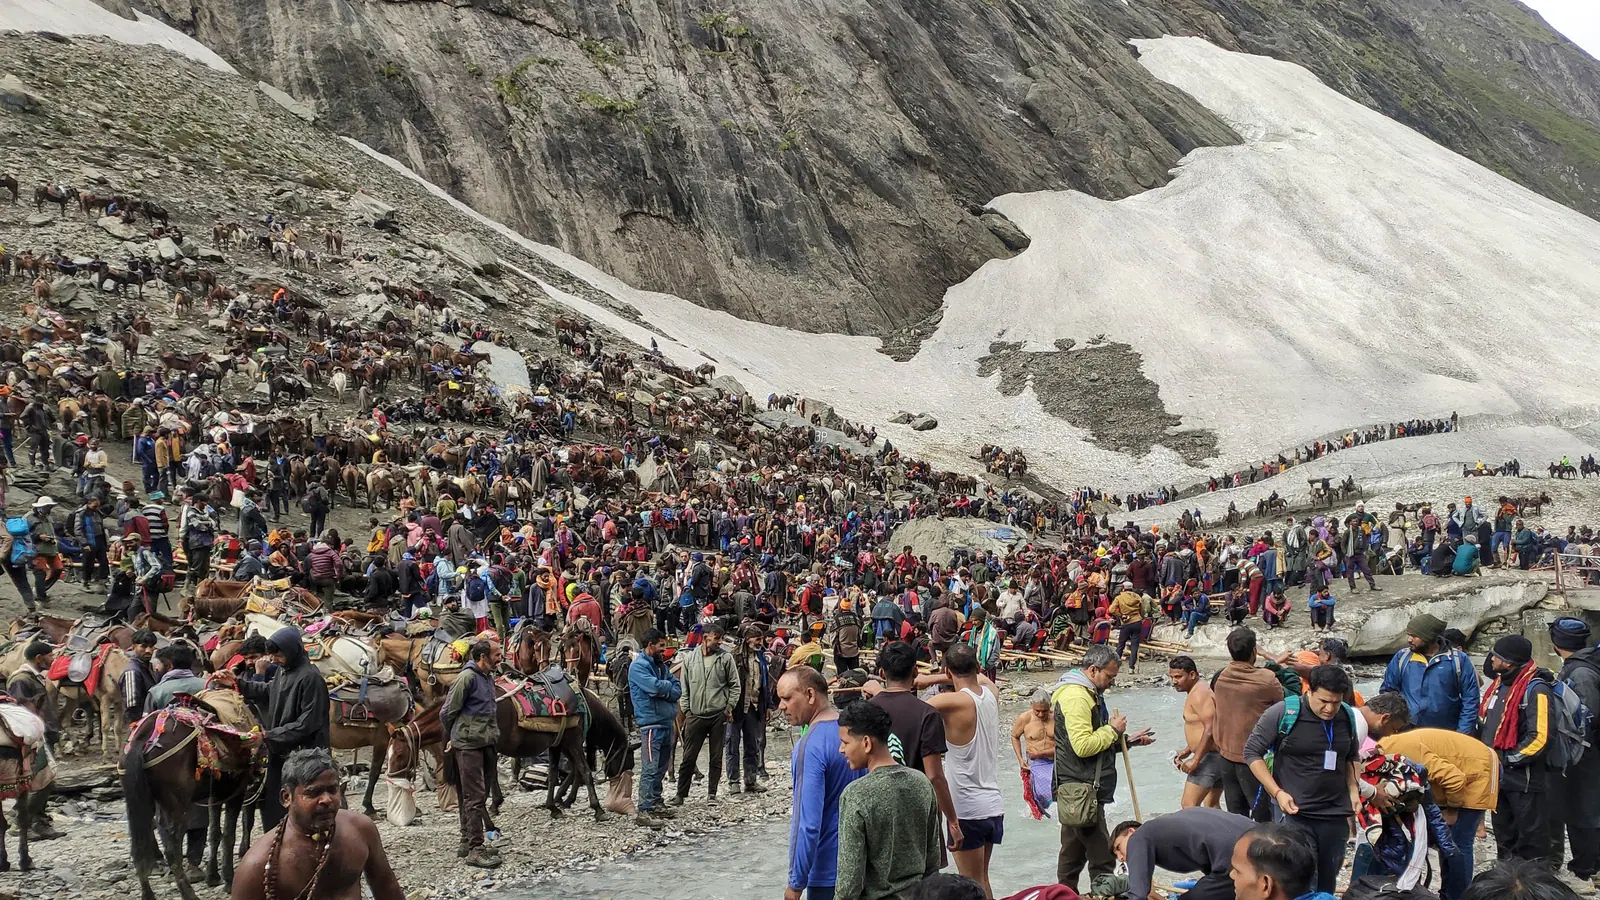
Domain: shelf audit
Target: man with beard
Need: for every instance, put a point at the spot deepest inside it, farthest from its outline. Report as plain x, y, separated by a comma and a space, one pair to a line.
296, 702
319, 852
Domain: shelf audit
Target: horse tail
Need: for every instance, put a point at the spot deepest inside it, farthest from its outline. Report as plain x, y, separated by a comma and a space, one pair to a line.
139, 798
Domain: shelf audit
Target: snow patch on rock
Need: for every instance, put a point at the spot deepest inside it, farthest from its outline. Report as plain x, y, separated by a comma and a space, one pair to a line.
84, 17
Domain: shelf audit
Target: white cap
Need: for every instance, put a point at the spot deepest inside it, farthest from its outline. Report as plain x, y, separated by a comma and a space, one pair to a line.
43, 501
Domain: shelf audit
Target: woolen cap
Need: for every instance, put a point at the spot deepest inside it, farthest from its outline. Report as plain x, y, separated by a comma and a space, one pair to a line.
1568, 633
1514, 649
1426, 627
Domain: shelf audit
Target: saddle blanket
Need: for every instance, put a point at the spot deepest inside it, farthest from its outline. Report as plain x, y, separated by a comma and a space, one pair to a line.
218, 748
69, 667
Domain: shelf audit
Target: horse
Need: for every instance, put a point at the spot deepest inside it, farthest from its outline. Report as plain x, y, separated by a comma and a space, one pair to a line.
9, 182
404, 654
1558, 470
104, 704
578, 651
604, 734
19, 753
44, 193
384, 711
531, 648
163, 772
379, 484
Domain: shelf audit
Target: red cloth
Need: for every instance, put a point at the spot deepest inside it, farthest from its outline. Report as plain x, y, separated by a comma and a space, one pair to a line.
58, 667
1505, 737
98, 667
1046, 892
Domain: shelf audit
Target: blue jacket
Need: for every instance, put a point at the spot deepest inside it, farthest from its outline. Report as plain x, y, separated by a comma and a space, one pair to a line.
820, 773
1443, 691
654, 691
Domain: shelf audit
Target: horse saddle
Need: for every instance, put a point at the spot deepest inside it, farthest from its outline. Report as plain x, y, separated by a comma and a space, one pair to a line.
440, 653
372, 700
340, 654
544, 701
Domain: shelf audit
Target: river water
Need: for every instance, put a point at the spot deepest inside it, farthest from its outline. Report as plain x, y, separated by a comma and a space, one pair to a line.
753, 862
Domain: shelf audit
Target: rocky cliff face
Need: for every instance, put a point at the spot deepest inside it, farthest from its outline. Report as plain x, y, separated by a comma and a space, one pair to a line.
823, 165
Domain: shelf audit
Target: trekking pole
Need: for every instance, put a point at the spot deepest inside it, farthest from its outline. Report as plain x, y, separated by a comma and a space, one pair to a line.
1127, 764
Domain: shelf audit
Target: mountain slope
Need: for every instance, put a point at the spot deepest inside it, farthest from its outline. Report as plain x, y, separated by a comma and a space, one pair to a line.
818, 165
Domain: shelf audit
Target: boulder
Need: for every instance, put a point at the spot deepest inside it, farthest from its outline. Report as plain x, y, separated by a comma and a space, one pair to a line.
473, 285
209, 254
1003, 228
168, 248
295, 203
370, 209
470, 250
924, 423
114, 226
63, 289
1375, 624
901, 418
41, 218
301, 108
95, 175
15, 96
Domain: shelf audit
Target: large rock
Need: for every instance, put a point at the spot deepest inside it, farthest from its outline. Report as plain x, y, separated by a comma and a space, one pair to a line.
471, 251
304, 110
937, 538
169, 250
370, 209
114, 226
924, 423
209, 254
63, 289
15, 96
473, 285
38, 219
1375, 624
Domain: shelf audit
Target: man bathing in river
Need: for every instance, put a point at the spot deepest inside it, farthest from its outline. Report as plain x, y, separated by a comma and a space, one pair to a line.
1198, 759
318, 851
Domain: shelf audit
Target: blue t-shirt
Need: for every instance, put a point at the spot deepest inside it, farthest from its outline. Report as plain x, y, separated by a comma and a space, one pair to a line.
1466, 555
820, 775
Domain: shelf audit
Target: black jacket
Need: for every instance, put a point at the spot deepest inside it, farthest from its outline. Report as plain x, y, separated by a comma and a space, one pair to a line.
296, 700
380, 586
1523, 768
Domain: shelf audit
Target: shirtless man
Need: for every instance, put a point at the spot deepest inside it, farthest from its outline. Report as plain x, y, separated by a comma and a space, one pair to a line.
1199, 758
1038, 760
319, 851
971, 714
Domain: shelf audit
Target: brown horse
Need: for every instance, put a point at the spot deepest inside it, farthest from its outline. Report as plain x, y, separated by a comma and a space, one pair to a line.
12, 758
532, 650
404, 654
386, 709
104, 705
578, 651
604, 734
165, 774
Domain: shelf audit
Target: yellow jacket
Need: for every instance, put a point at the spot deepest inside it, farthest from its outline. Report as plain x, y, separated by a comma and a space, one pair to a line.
1127, 607
1464, 771
1075, 703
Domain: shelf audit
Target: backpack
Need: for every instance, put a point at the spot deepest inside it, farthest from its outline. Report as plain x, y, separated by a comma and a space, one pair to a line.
1291, 715
1573, 720
22, 548
1430, 522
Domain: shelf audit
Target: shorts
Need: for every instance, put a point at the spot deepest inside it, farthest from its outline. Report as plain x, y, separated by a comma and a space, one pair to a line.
979, 833
1209, 771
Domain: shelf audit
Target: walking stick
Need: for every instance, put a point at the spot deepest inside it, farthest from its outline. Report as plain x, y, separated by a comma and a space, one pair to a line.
1127, 764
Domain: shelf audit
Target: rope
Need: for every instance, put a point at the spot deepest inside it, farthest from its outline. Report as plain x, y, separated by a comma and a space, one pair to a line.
173, 750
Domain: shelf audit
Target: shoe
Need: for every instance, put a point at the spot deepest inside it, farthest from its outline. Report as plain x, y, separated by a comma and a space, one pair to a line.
482, 859
664, 812
733, 787
677, 800
461, 851
711, 798
645, 820
195, 874
1583, 887
752, 787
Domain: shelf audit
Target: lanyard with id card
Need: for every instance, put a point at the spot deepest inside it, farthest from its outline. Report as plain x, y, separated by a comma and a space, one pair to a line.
1330, 757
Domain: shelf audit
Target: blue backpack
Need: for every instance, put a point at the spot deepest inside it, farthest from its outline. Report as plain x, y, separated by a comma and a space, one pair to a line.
22, 548
1573, 721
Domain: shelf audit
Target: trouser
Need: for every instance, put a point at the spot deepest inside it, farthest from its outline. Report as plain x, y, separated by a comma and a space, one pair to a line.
1256, 584
173, 478
473, 808
5, 439
1522, 825
744, 745
151, 477
319, 520
324, 587
1575, 815
1195, 618
1322, 616
1457, 872
1134, 632
845, 663
666, 619
1330, 837
268, 806
162, 548
696, 731
1214, 886
1427, 543
95, 566
39, 808
278, 504
47, 570
1242, 792
500, 616
1357, 562
199, 564
39, 448
655, 752
1081, 845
